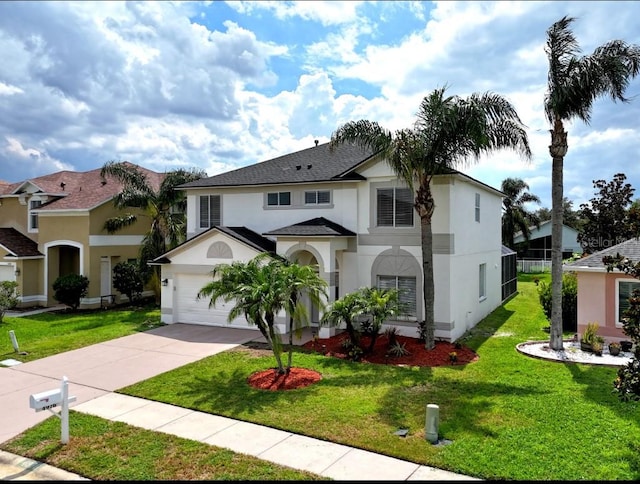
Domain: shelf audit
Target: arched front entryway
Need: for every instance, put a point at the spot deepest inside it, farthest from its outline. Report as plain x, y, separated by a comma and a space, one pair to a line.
62, 258
307, 258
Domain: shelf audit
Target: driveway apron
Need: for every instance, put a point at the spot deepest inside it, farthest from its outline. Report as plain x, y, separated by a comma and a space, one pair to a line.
99, 369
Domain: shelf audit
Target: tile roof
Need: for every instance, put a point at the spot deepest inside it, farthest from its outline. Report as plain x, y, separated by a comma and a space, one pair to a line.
629, 248
315, 227
17, 244
77, 190
314, 164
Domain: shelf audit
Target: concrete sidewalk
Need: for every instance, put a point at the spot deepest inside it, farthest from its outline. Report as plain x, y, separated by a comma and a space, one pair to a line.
94, 372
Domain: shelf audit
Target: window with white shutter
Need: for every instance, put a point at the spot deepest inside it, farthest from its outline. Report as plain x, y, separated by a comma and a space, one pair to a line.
394, 207
210, 212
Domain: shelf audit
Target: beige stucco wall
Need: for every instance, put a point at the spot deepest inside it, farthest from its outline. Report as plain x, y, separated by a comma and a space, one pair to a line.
13, 214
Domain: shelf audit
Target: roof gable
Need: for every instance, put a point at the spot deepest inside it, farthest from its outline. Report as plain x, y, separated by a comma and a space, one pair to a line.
71, 190
17, 244
319, 226
245, 235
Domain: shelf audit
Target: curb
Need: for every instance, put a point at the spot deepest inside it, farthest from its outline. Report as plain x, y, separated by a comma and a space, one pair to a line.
17, 468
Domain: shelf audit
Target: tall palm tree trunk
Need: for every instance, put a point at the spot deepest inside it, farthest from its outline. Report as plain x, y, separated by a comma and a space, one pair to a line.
557, 149
425, 207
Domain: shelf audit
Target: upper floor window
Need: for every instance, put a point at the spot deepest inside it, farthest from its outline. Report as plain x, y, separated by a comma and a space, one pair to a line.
394, 207
278, 198
625, 288
33, 217
477, 207
210, 213
317, 197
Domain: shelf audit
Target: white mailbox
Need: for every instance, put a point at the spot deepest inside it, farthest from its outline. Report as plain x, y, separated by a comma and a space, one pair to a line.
45, 400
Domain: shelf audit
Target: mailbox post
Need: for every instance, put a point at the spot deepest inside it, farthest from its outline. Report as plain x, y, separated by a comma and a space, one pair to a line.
53, 398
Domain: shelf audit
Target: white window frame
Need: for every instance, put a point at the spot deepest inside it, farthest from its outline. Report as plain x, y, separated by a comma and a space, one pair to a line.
482, 282
477, 207
34, 224
207, 223
316, 196
394, 223
626, 281
279, 195
412, 315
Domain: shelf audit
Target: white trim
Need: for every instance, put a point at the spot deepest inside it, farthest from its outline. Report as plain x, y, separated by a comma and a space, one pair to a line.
108, 240
618, 281
80, 212
56, 243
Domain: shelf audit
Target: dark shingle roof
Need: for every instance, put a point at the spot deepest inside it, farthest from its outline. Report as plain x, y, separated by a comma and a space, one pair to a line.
17, 244
630, 249
315, 227
315, 164
250, 237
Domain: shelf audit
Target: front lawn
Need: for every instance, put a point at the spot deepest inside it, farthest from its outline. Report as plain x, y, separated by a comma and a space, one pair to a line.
47, 334
506, 416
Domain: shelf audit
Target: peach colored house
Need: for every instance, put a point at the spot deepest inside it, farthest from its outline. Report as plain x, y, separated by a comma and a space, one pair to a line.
52, 225
603, 296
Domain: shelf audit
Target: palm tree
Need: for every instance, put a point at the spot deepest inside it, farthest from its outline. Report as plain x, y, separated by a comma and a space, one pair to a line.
449, 131
345, 311
260, 289
574, 83
515, 216
298, 280
380, 304
164, 206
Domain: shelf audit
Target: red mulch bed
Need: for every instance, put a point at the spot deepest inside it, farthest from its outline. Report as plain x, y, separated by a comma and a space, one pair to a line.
332, 347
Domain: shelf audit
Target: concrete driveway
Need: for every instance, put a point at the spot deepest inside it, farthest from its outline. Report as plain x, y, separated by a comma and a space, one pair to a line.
98, 369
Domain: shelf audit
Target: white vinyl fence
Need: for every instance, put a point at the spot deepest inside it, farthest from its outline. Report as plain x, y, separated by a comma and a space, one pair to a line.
533, 266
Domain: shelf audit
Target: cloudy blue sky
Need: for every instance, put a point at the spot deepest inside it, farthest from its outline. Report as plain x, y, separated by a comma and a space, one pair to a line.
220, 85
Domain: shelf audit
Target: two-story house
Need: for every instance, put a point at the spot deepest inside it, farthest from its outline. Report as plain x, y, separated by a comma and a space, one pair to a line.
352, 218
52, 225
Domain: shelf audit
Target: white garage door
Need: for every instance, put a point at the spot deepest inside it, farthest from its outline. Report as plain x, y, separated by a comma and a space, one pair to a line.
192, 311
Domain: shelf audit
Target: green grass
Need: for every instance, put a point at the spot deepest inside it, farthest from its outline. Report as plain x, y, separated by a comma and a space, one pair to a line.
47, 334
508, 416
105, 451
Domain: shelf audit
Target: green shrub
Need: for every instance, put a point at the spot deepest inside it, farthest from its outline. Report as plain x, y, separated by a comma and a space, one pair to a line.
569, 300
70, 289
8, 297
128, 280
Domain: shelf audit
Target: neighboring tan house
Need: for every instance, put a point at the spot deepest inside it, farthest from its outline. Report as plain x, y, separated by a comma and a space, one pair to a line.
604, 296
52, 226
353, 219
539, 245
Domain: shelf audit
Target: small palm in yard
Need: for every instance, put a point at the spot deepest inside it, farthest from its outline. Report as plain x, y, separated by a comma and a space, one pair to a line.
260, 289
345, 311
381, 305
298, 280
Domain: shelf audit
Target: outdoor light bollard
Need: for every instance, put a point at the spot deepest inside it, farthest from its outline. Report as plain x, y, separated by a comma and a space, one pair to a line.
431, 426
14, 341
